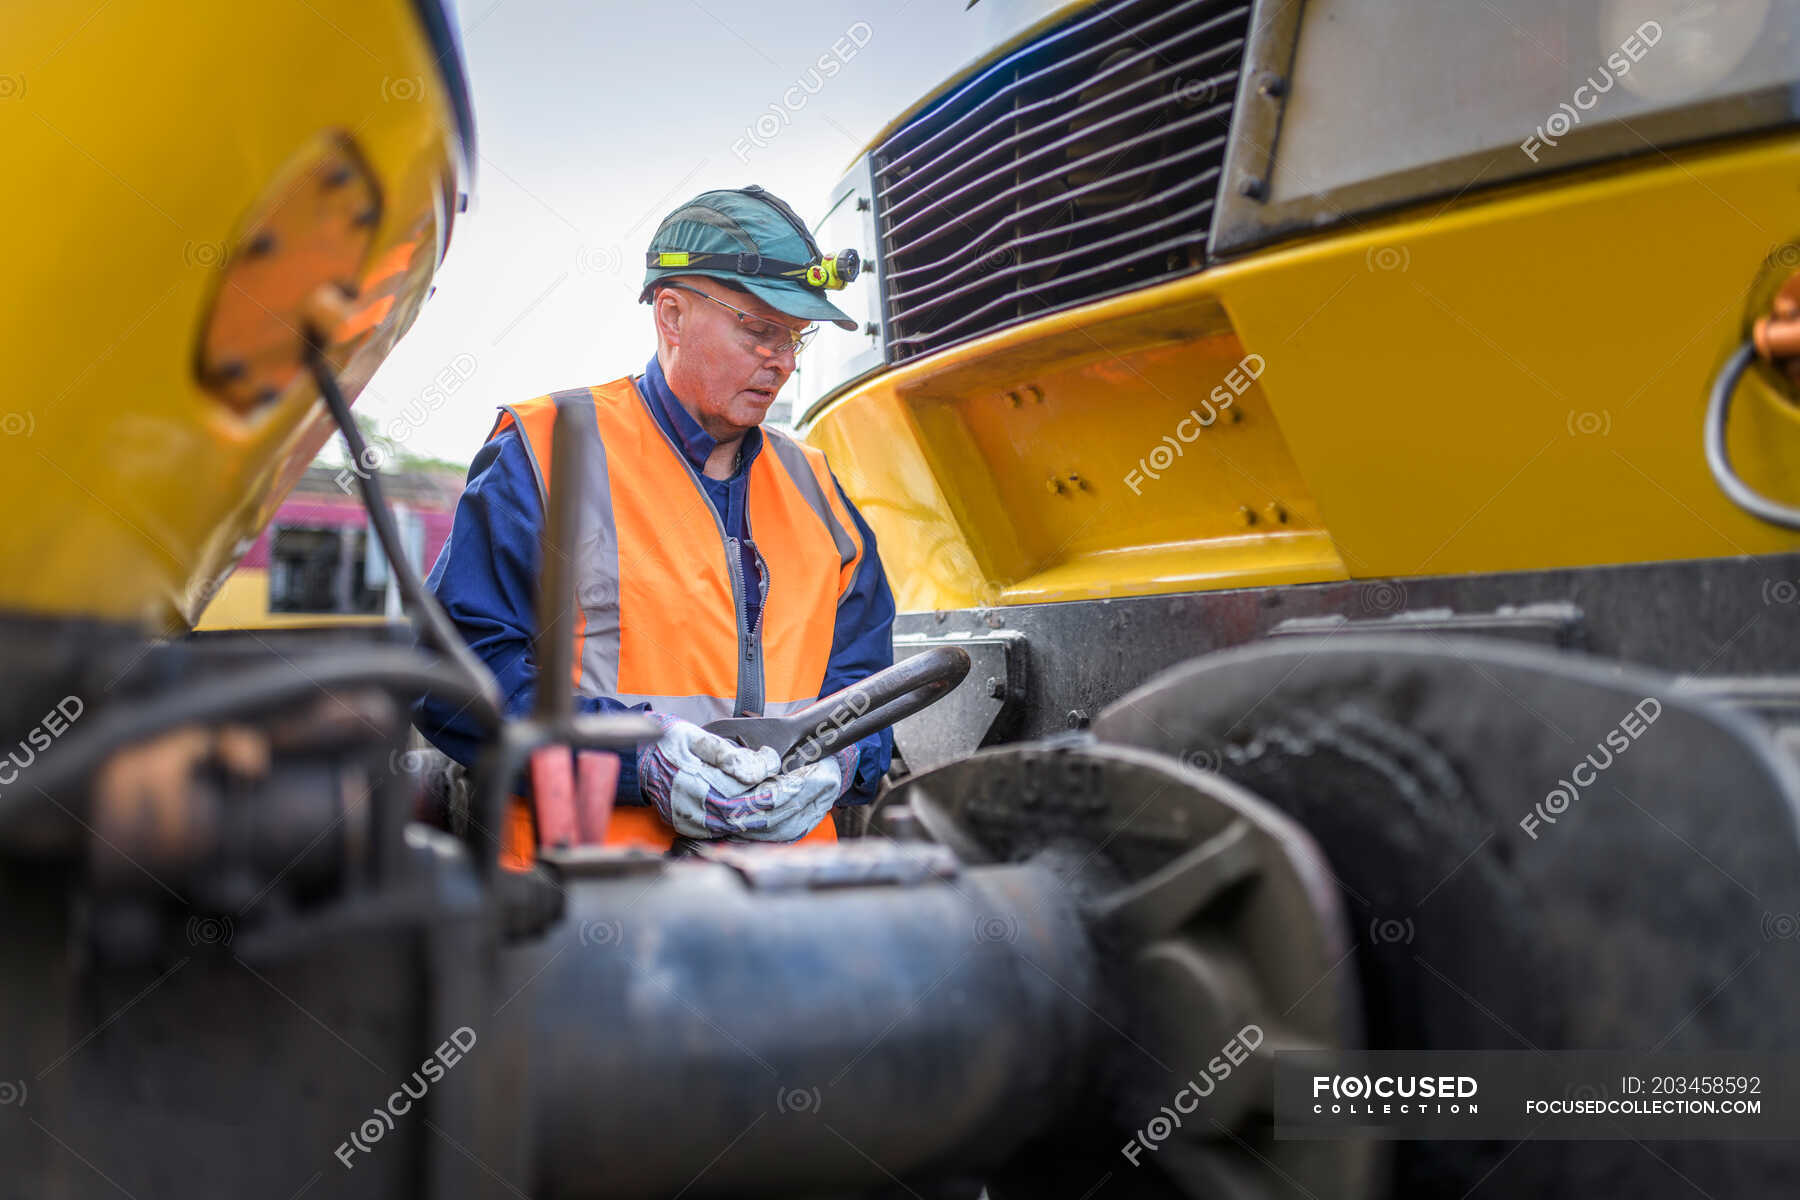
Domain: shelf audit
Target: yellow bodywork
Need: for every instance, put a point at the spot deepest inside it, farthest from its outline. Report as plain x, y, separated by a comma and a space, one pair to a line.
138, 137
1512, 381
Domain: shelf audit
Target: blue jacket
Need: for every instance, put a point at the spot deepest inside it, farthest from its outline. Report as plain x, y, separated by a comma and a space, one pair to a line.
486, 579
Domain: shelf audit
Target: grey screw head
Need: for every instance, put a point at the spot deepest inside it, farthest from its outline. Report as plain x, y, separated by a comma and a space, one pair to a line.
996, 688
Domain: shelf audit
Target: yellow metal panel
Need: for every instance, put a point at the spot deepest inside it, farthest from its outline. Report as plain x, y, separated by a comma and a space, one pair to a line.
1518, 383
138, 136
1514, 381
1094, 453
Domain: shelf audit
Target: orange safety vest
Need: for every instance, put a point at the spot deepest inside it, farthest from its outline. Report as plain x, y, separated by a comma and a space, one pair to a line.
660, 616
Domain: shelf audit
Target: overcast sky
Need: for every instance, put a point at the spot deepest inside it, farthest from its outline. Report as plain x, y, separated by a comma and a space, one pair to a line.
593, 121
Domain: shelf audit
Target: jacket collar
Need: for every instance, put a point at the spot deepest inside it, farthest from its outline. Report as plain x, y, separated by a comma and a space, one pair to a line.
696, 444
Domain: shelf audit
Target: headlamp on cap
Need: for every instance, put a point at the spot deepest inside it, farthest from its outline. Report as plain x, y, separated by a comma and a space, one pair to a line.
833, 272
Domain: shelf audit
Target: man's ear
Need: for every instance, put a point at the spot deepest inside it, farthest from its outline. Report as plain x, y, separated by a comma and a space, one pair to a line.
666, 307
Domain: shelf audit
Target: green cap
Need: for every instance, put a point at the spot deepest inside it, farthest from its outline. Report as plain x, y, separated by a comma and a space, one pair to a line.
745, 225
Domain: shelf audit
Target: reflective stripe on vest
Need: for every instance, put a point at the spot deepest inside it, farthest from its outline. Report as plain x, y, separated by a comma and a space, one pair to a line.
660, 614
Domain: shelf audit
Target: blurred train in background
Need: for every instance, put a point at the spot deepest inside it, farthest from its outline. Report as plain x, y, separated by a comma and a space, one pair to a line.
317, 563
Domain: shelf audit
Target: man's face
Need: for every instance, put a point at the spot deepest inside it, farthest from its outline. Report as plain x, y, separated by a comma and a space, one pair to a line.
726, 368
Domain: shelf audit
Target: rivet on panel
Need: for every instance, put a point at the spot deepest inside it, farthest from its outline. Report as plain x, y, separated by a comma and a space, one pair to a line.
1246, 515
1276, 513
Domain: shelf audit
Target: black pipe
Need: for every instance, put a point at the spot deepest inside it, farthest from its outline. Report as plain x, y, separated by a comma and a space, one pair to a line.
696, 1035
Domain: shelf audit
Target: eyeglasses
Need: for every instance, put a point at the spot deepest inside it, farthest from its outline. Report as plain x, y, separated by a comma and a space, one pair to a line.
766, 338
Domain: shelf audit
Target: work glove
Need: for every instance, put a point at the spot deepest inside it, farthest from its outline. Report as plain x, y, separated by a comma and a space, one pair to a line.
798, 799
701, 783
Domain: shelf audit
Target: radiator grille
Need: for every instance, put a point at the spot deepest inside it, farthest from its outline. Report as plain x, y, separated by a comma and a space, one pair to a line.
1082, 164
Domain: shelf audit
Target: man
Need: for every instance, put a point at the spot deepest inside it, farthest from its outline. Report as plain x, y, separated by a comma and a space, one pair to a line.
721, 571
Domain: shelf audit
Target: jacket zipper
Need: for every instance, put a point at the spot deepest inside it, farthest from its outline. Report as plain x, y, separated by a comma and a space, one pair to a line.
750, 672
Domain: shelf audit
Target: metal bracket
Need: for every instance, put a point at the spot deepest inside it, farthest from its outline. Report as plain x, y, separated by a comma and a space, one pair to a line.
978, 712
